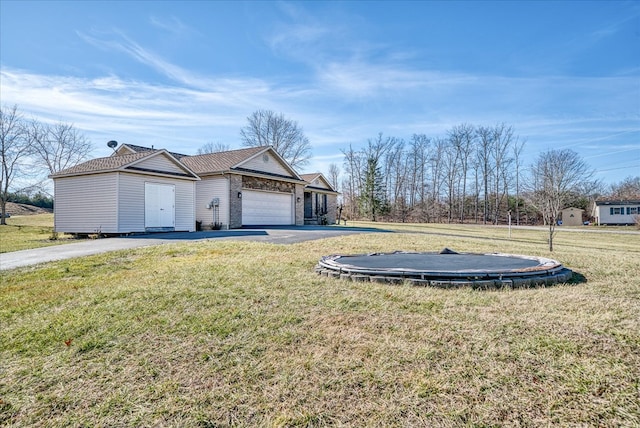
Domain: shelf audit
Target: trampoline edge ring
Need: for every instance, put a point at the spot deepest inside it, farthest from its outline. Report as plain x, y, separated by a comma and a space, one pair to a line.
443, 270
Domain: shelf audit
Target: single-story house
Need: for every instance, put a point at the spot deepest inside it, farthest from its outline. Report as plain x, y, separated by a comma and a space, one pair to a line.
572, 216
615, 212
142, 189
320, 200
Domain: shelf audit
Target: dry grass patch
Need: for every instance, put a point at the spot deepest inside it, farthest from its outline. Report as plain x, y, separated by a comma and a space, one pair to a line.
245, 334
23, 232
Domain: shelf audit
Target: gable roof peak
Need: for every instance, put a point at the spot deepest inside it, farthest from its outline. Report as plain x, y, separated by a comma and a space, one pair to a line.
315, 177
119, 163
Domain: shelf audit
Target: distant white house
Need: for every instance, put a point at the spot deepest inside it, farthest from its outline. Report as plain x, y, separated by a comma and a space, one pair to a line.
142, 189
615, 212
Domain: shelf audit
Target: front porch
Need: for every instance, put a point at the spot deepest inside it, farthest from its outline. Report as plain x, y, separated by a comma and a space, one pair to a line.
315, 209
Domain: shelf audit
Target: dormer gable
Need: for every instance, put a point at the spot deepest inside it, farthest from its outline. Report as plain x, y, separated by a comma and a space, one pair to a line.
318, 181
127, 149
267, 161
124, 149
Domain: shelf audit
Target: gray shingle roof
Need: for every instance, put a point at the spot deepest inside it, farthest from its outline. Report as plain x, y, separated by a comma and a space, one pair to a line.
617, 202
110, 163
210, 163
219, 162
309, 177
139, 149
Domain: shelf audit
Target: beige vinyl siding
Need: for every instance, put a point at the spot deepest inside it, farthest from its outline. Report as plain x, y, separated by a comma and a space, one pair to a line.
185, 210
131, 202
159, 163
86, 204
207, 189
272, 165
319, 183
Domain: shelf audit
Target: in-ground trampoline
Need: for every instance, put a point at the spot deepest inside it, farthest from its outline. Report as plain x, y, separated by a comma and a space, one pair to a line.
446, 269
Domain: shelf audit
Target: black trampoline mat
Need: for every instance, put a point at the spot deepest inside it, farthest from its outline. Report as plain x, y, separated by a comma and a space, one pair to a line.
446, 269
435, 262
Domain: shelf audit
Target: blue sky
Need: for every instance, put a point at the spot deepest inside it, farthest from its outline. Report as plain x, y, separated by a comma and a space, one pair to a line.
177, 75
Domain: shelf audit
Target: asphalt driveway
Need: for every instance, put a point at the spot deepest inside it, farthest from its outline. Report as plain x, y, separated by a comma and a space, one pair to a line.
273, 234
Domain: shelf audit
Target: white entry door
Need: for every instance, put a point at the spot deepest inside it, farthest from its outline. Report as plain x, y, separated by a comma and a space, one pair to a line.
159, 206
266, 208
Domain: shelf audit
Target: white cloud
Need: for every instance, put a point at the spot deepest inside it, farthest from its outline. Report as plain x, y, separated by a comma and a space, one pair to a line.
124, 44
171, 25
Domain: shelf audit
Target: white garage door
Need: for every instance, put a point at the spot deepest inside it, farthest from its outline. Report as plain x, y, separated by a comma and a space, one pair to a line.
264, 208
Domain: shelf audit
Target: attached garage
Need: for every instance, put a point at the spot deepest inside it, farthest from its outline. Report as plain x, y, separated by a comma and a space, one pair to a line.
267, 208
138, 192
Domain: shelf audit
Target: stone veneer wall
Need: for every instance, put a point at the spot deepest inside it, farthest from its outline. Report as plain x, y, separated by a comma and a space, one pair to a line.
299, 204
332, 207
235, 203
256, 183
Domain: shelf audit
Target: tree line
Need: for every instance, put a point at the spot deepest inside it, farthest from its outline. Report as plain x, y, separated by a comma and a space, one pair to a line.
474, 174
37, 199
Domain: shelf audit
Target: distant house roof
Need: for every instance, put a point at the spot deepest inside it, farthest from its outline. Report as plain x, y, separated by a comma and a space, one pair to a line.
617, 202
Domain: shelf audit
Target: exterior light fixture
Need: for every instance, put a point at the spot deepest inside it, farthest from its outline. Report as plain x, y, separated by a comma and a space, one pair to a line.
239, 194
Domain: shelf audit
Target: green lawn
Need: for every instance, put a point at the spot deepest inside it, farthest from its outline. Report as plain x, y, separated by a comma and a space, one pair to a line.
29, 231
245, 334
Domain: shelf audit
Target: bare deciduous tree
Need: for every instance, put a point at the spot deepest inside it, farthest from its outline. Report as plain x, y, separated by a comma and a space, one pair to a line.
555, 177
517, 159
418, 157
213, 148
503, 138
484, 150
451, 174
266, 128
436, 177
15, 149
353, 183
334, 175
58, 146
629, 188
462, 138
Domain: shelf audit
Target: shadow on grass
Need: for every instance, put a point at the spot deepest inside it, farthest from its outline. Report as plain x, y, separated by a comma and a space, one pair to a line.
577, 278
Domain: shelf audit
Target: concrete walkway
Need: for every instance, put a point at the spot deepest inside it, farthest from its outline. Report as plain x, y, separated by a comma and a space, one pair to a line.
278, 235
